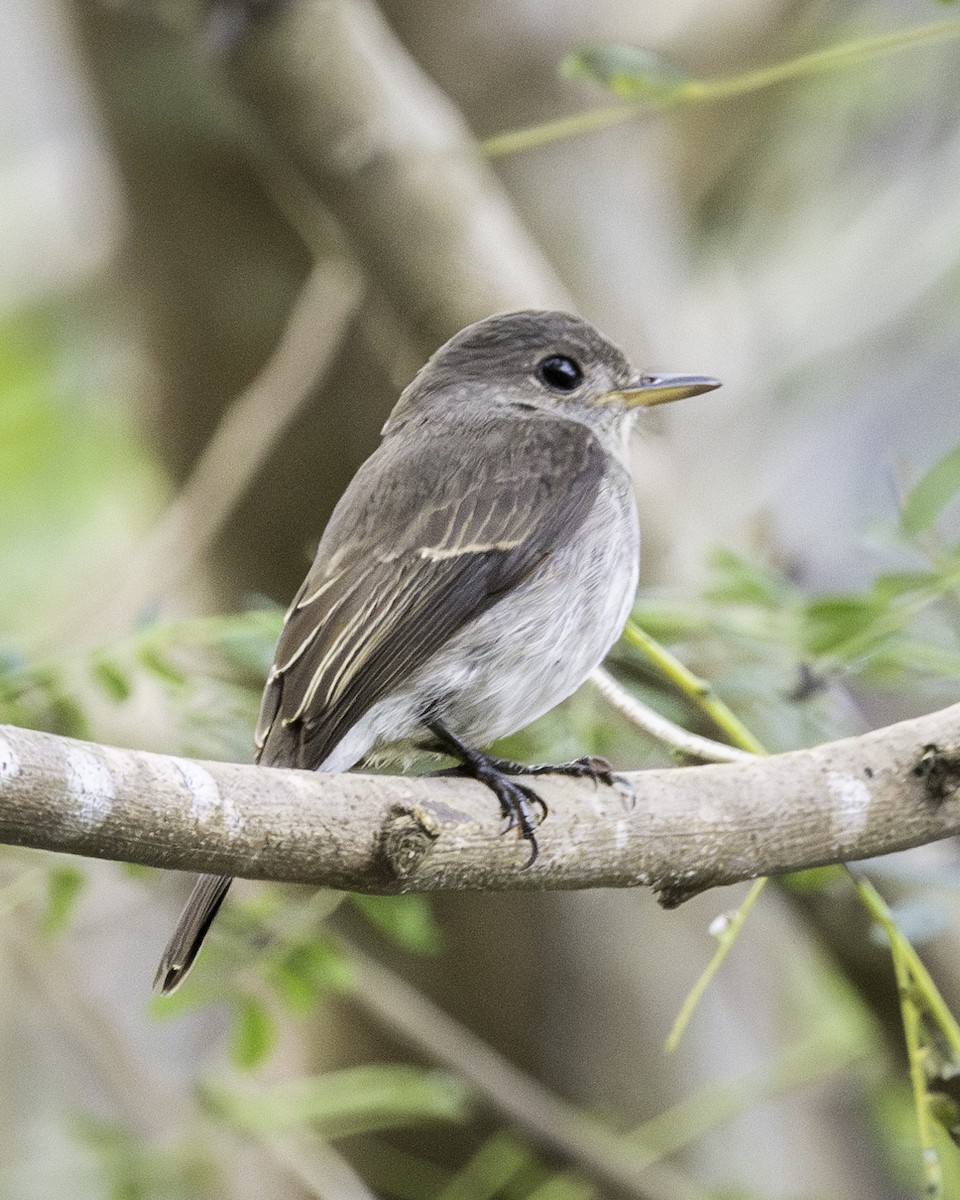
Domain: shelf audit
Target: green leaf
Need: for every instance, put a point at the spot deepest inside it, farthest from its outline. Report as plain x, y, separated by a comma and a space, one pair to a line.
254, 1032
743, 582
927, 499
564, 1187
627, 71
64, 885
160, 666
111, 678
833, 620
494, 1167
902, 583
306, 970
355, 1100
133, 1168
406, 920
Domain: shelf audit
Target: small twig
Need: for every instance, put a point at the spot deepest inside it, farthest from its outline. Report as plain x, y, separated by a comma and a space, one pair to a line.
660, 727
701, 91
725, 938
933, 1001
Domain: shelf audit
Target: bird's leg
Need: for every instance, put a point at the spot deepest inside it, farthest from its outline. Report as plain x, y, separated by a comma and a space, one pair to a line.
517, 803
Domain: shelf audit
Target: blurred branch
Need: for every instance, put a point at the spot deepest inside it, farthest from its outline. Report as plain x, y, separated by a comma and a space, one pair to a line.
612, 1159
244, 438
394, 161
316, 1165
688, 831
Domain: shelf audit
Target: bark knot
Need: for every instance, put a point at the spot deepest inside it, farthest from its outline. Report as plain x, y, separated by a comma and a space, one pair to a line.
406, 838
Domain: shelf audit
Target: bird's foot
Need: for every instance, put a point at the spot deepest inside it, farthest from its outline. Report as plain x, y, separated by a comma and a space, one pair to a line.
591, 766
522, 808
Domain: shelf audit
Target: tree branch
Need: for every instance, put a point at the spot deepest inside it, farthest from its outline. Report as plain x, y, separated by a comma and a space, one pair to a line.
688, 830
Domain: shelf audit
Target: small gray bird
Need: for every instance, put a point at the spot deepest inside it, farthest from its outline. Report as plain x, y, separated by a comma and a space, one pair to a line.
481, 563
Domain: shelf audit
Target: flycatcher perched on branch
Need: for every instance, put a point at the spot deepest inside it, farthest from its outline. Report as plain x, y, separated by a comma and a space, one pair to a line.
481, 563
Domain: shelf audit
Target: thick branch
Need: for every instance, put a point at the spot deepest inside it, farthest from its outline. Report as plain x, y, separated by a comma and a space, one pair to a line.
687, 830
393, 159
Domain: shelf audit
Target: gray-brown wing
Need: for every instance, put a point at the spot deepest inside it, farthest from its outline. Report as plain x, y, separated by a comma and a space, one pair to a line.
430, 534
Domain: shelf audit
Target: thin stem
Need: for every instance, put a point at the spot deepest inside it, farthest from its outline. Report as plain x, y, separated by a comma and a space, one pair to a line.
725, 942
861, 50
910, 1014
933, 1000
697, 690
820, 1054
515, 140
698, 91
659, 727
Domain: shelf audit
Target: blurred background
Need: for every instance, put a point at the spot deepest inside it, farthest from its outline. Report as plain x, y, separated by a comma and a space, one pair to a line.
231, 233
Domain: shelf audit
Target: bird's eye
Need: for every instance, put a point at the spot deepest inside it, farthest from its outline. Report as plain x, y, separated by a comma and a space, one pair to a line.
560, 373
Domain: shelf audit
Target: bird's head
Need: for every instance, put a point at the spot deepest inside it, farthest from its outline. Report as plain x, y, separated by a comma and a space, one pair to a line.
538, 361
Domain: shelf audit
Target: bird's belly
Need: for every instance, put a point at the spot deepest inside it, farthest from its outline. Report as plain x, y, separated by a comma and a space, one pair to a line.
536, 646
524, 654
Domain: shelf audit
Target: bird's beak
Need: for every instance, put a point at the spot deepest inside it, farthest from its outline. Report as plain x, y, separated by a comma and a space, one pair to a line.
648, 390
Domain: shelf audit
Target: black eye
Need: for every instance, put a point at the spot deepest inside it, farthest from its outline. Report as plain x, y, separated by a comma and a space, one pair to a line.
560, 373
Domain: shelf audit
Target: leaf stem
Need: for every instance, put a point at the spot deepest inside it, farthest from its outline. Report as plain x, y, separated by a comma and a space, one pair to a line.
698, 91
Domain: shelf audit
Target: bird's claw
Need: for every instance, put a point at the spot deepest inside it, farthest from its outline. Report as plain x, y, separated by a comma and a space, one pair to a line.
518, 804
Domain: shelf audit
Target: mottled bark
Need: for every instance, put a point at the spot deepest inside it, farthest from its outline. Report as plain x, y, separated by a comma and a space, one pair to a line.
686, 830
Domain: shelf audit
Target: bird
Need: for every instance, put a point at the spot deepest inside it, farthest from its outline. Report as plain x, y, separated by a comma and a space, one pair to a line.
479, 565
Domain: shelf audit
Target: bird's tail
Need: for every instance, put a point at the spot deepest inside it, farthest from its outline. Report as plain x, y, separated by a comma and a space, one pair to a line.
184, 945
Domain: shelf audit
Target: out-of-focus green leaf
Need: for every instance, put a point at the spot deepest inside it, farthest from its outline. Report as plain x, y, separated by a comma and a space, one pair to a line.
254, 1032
159, 665
889, 664
927, 499
64, 885
72, 466
564, 1187
901, 583
135, 1169
406, 920
340, 1103
307, 970
745, 582
493, 1168
627, 71
112, 678
833, 620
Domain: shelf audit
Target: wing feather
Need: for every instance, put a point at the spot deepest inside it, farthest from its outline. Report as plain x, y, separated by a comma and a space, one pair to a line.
430, 534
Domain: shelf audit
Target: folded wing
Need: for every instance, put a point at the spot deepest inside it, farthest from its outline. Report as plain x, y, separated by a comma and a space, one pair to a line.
429, 535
